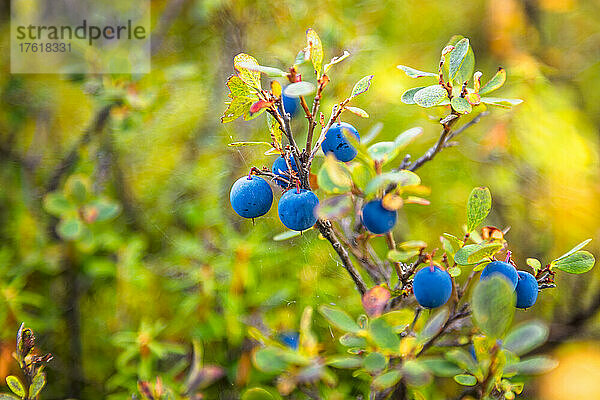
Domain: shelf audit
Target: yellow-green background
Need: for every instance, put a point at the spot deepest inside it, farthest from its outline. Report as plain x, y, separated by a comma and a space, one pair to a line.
179, 256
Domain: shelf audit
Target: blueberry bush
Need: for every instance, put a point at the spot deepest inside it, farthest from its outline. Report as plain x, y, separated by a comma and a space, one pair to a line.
126, 251
430, 311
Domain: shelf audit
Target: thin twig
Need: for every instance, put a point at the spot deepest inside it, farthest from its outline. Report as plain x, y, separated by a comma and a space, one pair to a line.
326, 230
69, 161
454, 317
371, 268
446, 136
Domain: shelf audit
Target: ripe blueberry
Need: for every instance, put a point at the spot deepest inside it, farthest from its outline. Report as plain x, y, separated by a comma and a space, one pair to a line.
280, 167
432, 287
290, 339
376, 218
527, 290
251, 196
336, 142
503, 269
297, 209
290, 104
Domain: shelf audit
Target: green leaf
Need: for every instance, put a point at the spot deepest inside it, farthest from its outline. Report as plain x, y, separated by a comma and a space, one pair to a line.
386, 380
346, 362
407, 137
495, 83
401, 256
415, 73
454, 271
357, 111
334, 177
501, 102
7, 396
440, 367
408, 96
535, 264
297, 89
361, 175
70, 228
461, 62
37, 384
430, 96
339, 318
361, 86
532, 366
238, 107
374, 362
336, 60
384, 336
56, 203
106, 209
246, 67
461, 105
270, 360
401, 178
465, 380
462, 359
385, 152
574, 249
274, 131
244, 144
287, 235
315, 48
350, 340
78, 188
493, 306
474, 253
415, 373
526, 337
257, 394
334, 207
433, 326
238, 88
398, 318
372, 134
478, 207
577, 263
15, 385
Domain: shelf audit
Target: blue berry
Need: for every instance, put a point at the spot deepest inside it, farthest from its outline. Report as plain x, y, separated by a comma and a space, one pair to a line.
251, 196
336, 142
297, 209
432, 287
290, 339
280, 167
290, 104
503, 269
527, 290
376, 218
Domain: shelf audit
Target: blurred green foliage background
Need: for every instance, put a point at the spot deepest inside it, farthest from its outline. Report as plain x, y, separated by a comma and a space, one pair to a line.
177, 264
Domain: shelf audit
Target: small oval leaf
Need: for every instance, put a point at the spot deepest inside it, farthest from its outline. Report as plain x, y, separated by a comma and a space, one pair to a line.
465, 380
577, 263
430, 96
298, 89
15, 385
339, 318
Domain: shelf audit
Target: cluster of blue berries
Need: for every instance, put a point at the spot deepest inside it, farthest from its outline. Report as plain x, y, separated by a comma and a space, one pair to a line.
375, 217
251, 197
524, 283
432, 285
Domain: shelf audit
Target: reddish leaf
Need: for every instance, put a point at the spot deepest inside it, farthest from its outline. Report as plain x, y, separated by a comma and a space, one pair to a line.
259, 105
375, 299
